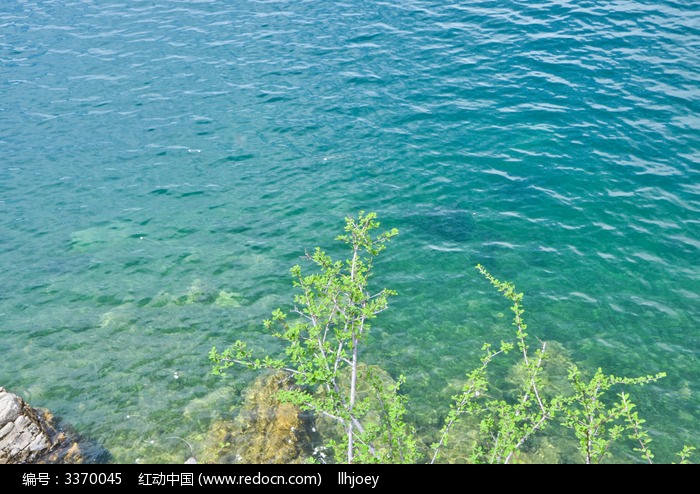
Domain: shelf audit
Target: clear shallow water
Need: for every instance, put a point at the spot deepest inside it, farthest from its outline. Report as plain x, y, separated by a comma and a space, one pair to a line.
165, 163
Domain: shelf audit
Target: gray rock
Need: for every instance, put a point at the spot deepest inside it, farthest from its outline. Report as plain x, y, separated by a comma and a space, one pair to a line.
28, 435
10, 407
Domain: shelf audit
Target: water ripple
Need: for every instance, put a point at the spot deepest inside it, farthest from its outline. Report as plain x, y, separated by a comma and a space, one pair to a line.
159, 154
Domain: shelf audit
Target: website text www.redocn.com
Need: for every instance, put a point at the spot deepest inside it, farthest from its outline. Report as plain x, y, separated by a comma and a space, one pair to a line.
259, 479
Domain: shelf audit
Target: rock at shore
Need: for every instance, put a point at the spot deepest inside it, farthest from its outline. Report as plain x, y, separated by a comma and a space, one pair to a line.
29, 435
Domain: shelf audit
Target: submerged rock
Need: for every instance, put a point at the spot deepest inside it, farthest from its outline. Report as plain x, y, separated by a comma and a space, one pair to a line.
266, 431
30, 435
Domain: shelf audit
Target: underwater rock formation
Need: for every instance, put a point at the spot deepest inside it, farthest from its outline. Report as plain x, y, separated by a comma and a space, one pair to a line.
266, 431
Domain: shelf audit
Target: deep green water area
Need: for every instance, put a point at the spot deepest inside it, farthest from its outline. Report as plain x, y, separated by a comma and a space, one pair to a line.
164, 164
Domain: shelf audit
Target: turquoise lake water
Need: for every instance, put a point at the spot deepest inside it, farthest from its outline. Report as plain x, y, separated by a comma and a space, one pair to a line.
164, 164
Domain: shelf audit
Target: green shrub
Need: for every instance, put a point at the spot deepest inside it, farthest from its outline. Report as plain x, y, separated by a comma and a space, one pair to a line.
330, 320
